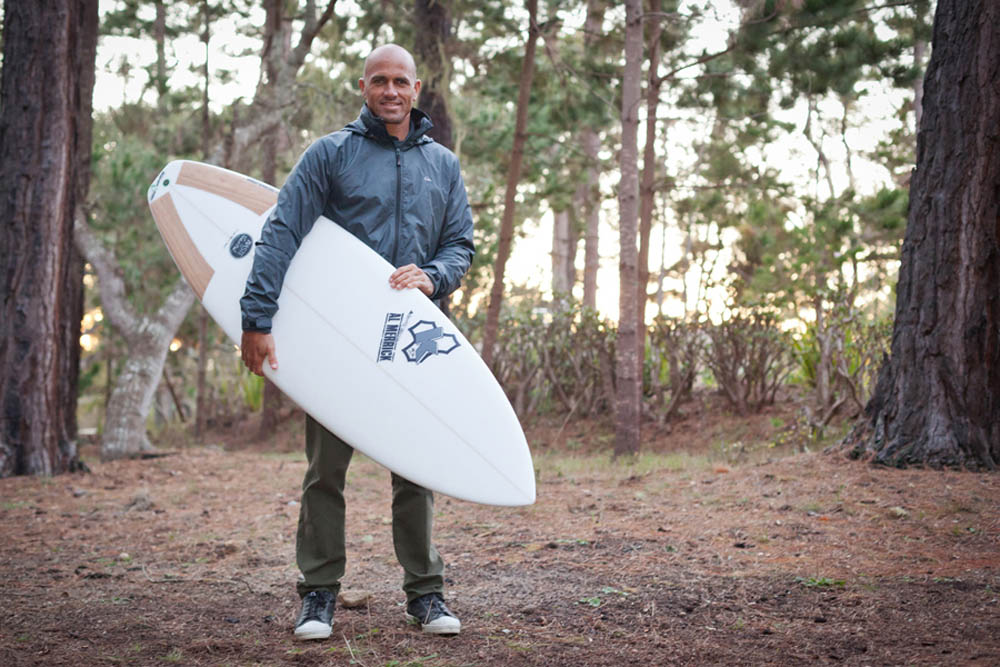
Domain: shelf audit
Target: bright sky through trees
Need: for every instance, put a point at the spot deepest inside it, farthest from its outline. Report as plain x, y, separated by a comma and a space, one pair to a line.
121, 77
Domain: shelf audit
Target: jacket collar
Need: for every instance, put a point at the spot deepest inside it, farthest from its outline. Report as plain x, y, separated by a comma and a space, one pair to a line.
371, 126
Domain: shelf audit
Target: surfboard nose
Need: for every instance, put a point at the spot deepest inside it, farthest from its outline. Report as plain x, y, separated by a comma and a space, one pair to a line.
161, 184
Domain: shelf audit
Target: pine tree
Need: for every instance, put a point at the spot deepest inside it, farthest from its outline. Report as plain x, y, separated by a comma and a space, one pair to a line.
937, 397
48, 61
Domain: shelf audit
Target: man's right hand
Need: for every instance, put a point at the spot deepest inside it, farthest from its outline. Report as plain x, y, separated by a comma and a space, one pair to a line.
254, 348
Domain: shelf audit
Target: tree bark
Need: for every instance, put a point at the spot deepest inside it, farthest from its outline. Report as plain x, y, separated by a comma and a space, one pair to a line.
562, 257
44, 131
647, 190
628, 377
938, 396
513, 178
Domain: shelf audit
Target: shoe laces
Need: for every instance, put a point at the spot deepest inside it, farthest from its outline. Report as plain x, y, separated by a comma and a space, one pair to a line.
314, 603
436, 607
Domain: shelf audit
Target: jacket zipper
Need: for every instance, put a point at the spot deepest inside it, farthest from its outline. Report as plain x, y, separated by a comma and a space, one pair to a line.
399, 207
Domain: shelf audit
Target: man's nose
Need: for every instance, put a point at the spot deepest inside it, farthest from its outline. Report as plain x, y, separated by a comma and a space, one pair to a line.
390, 90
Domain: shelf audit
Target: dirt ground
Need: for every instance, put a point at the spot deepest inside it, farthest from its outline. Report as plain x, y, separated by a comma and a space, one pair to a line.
674, 558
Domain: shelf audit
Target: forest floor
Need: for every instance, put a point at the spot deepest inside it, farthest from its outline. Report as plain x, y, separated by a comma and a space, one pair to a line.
708, 549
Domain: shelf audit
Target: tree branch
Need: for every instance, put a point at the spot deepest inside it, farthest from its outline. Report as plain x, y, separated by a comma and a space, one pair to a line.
110, 283
312, 26
700, 61
174, 309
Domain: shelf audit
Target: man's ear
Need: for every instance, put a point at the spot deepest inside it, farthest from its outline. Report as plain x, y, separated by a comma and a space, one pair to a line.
416, 86
361, 85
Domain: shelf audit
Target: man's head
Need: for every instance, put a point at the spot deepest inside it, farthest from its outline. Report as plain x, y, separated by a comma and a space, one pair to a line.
390, 86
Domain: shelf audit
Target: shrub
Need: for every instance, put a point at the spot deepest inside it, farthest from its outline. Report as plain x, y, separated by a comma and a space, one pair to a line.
673, 356
749, 357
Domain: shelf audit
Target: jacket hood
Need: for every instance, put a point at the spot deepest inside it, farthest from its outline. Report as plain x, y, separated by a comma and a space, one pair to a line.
371, 126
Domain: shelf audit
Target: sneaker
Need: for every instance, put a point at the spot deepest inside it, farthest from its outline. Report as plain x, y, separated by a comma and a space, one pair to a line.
316, 618
432, 615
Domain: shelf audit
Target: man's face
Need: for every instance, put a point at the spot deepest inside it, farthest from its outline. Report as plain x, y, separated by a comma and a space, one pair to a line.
390, 86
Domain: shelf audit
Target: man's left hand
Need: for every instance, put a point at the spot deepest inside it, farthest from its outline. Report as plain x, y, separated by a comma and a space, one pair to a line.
411, 275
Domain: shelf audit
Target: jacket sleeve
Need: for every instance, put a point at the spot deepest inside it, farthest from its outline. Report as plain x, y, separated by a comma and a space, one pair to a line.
301, 200
456, 247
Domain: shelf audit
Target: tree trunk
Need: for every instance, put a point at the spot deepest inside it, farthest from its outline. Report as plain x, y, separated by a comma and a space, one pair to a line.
562, 257
513, 177
201, 385
125, 424
572, 243
433, 30
73, 301
147, 339
271, 401
160, 38
919, 52
938, 395
627, 375
591, 144
46, 47
591, 235
648, 187
201, 388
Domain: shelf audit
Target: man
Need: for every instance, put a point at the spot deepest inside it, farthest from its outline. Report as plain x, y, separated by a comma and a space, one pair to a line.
386, 182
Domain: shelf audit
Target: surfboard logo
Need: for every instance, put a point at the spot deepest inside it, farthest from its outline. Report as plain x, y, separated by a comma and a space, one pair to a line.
429, 340
240, 245
390, 336
152, 188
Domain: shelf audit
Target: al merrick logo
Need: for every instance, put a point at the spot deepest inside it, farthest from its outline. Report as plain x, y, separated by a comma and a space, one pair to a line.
390, 336
427, 339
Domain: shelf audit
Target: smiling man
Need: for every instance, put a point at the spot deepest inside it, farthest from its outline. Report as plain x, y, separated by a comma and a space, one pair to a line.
382, 179
389, 86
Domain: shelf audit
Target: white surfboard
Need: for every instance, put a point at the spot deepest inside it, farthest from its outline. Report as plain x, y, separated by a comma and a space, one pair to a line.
383, 369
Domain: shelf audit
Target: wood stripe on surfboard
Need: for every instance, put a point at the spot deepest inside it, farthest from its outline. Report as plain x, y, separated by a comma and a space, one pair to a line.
234, 187
194, 267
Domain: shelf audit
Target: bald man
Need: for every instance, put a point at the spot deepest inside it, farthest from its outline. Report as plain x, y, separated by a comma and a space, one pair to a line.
382, 179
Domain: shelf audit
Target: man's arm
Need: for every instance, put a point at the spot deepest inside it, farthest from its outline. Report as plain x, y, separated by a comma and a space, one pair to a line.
455, 249
300, 203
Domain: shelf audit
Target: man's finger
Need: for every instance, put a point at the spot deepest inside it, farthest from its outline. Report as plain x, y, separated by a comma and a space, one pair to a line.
271, 356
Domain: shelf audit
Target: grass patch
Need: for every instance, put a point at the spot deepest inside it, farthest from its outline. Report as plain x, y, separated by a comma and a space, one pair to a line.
294, 457
174, 656
557, 465
14, 505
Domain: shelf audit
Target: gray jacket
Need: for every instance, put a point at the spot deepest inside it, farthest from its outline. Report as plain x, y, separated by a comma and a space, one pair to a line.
404, 199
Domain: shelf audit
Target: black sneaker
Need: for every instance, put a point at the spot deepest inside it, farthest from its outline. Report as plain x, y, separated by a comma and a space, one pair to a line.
316, 618
429, 611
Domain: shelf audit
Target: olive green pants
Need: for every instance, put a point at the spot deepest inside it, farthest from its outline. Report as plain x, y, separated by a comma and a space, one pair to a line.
320, 542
